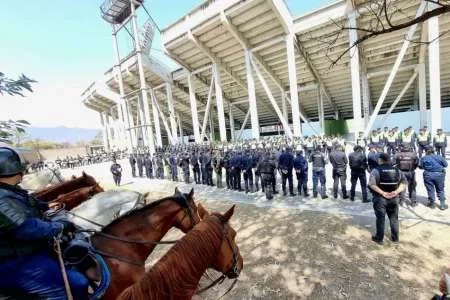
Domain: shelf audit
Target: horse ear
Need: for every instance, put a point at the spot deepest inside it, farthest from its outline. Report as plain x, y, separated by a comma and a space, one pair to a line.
177, 191
84, 174
191, 194
202, 212
228, 214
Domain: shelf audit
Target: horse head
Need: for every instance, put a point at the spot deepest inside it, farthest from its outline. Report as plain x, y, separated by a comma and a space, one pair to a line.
188, 217
228, 259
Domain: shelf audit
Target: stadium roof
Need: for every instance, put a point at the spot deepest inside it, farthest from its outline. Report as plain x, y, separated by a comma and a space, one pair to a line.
220, 31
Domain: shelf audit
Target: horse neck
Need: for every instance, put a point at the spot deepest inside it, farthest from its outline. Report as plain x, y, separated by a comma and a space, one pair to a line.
179, 271
152, 226
48, 194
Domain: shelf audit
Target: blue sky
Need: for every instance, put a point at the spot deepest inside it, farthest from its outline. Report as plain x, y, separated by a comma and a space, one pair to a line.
66, 45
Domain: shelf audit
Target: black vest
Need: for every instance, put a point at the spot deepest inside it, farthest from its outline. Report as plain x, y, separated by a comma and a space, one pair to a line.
389, 178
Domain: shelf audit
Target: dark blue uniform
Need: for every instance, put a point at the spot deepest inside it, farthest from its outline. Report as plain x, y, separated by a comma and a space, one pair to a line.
301, 170
116, 171
195, 167
247, 164
236, 166
25, 263
132, 160
434, 177
318, 167
208, 169
358, 165
173, 167
285, 165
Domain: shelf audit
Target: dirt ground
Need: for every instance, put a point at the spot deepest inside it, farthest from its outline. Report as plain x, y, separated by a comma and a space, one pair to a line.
316, 249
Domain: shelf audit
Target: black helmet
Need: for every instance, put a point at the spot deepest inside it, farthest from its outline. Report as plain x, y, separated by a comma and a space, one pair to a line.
11, 162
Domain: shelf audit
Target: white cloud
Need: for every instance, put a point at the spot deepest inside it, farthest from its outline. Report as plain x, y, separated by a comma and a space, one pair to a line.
53, 103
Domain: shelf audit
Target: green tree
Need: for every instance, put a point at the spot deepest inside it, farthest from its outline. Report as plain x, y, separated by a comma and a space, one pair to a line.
13, 87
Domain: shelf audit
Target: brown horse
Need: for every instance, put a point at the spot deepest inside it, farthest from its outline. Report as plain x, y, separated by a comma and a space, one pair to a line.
127, 242
176, 275
76, 197
51, 193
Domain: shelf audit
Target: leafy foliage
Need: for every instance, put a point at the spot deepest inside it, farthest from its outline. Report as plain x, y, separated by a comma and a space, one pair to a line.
15, 87
8, 129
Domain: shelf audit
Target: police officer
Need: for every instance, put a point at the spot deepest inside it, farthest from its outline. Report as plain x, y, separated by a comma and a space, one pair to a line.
372, 158
195, 167
440, 143
132, 160
140, 164
391, 142
407, 138
218, 164
386, 183
301, 171
173, 163
159, 166
267, 169
434, 177
185, 166
339, 161
257, 158
247, 164
423, 141
361, 141
116, 171
201, 159
227, 166
358, 165
285, 166
375, 138
318, 161
407, 161
25, 238
236, 166
148, 164
207, 160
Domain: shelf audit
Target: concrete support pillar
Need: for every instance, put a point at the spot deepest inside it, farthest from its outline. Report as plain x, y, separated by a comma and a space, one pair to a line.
219, 100
132, 132
193, 102
422, 95
354, 68
366, 98
173, 123
148, 128
211, 125
320, 110
284, 105
293, 88
156, 122
142, 129
180, 128
434, 72
253, 109
230, 114
104, 131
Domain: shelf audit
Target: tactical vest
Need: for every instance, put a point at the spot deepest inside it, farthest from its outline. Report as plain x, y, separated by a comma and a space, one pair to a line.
389, 178
318, 160
375, 138
422, 138
440, 139
406, 138
391, 139
361, 142
15, 208
406, 162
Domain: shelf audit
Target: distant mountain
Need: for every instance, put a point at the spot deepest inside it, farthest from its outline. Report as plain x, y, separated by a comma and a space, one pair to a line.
62, 134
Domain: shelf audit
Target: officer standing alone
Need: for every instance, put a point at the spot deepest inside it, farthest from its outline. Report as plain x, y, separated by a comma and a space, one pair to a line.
386, 183
116, 171
339, 161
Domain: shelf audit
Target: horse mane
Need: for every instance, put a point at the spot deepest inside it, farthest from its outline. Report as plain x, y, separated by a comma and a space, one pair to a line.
177, 273
180, 199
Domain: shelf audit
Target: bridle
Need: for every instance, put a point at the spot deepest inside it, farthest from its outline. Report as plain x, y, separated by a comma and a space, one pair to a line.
188, 213
233, 272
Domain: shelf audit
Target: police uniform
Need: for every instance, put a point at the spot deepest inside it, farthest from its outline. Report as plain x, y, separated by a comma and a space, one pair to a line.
227, 166
407, 162
208, 168
434, 177
236, 166
391, 143
318, 161
195, 167
140, 165
257, 157
185, 167
387, 178
173, 167
301, 171
132, 161
285, 165
339, 161
423, 142
148, 164
247, 164
267, 170
25, 263
358, 165
440, 144
218, 164
116, 171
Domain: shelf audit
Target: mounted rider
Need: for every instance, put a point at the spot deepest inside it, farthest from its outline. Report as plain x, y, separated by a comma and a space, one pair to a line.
26, 240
